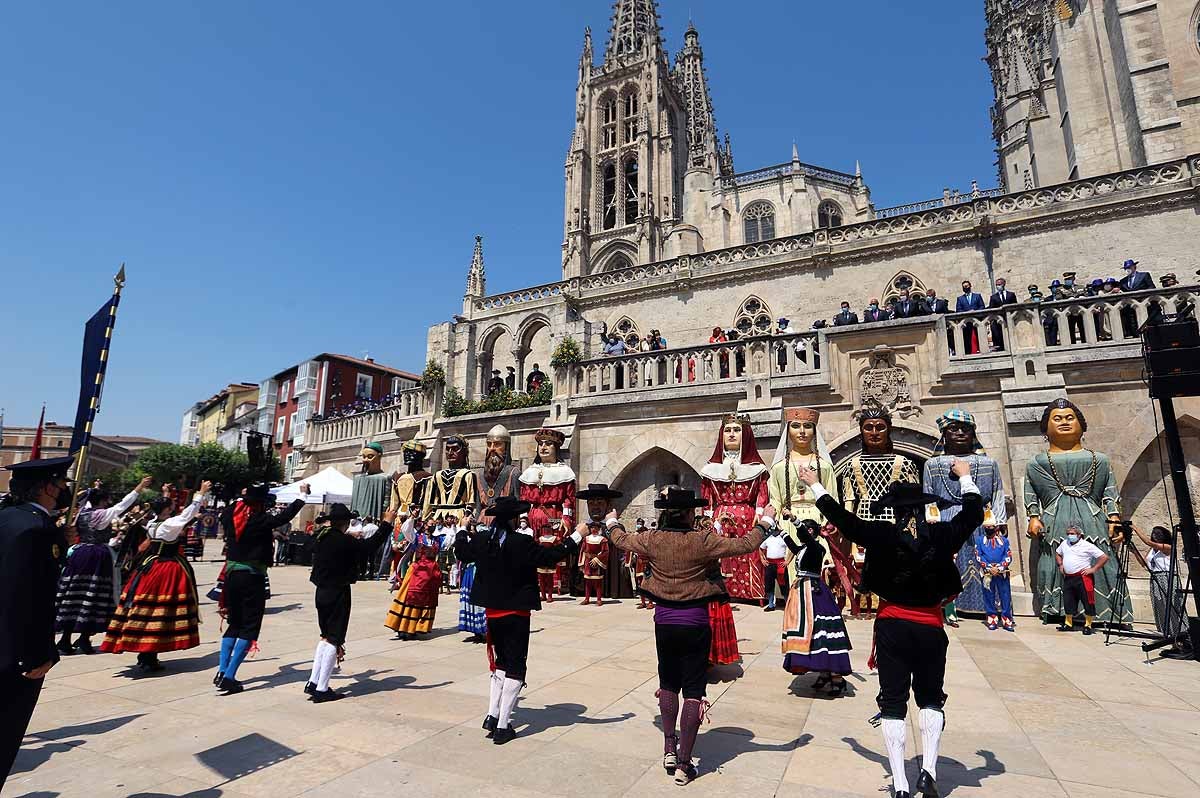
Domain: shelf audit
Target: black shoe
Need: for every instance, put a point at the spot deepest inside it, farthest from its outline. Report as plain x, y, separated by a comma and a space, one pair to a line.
151, 664
503, 735
1087, 630
489, 725
903, 794
926, 785
838, 688
1062, 627
310, 688
321, 696
229, 686
84, 646
64, 647
217, 679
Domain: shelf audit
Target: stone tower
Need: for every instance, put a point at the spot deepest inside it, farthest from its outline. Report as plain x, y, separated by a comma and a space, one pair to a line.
629, 148
476, 279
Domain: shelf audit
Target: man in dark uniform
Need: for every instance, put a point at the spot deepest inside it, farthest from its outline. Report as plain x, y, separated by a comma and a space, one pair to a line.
910, 566
30, 549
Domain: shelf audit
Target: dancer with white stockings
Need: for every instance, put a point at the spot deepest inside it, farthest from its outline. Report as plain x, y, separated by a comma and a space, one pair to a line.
506, 586
910, 566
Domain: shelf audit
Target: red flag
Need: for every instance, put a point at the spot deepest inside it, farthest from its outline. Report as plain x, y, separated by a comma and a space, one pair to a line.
36, 454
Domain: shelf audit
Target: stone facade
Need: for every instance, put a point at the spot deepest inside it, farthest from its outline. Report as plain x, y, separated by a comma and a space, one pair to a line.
644, 420
1087, 87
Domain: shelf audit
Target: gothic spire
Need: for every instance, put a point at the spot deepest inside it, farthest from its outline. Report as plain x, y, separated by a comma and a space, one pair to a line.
476, 281
693, 86
634, 30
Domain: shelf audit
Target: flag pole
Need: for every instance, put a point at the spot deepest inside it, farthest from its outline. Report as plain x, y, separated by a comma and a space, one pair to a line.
81, 456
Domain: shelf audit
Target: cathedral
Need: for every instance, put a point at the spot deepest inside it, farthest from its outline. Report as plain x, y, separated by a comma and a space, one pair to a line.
1098, 153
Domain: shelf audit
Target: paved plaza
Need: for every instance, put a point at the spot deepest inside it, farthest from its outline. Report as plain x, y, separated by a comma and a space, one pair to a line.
1033, 714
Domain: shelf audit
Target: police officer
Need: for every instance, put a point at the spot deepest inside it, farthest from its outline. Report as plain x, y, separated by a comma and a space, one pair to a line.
30, 549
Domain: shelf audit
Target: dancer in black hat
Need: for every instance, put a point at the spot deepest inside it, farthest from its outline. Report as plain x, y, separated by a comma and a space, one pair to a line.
335, 559
910, 566
506, 586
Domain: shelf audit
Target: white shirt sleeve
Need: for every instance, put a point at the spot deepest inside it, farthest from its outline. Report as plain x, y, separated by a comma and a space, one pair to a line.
818, 490
110, 514
168, 531
967, 485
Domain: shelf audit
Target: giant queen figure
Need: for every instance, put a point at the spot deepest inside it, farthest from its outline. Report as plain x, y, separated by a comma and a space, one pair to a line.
871, 472
549, 487
734, 483
801, 445
1068, 486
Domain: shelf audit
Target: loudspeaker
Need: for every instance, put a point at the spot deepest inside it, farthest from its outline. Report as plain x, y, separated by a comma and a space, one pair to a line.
1171, 332
254, 450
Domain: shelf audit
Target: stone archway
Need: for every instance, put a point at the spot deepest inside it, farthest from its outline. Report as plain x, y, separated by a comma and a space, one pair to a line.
1147, 495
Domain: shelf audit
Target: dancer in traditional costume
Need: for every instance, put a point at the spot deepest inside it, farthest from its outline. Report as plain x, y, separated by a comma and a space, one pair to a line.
814, 633
248, 546
335, 566
680, 552
594, 554
877, 467
1070, 486
910, 566
159, 610
415, 603
549, 487
734, 482
959, 441
506, 564
88, 587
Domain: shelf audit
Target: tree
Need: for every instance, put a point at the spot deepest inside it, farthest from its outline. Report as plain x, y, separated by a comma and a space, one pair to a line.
187, 465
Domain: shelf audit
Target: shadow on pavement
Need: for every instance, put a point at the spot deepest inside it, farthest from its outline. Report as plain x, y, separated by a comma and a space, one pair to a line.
951, 772
30, 758
552, 716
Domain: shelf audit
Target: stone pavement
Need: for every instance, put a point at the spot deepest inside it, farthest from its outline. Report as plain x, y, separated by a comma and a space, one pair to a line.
1033, 714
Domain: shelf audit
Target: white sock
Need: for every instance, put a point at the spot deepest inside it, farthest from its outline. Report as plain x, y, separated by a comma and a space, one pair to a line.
316, 668
494, 694
894, 730
508, 701
328, 656
932, 722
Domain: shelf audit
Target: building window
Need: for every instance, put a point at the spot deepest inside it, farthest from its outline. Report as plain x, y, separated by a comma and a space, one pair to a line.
631, 190
759, 221
829, 214
285, 392
608, 195
753, 318
363, 385
618, 262
395, 385
628, 330
608, 119
280, 428
630, 122
292, 424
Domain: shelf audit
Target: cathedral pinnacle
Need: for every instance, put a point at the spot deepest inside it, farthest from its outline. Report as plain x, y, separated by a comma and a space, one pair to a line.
693, 87
634, 31
476, 281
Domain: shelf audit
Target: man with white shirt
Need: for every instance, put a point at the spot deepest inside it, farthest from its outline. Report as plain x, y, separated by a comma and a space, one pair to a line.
910, 566
1078, 559
775, 558
89, 586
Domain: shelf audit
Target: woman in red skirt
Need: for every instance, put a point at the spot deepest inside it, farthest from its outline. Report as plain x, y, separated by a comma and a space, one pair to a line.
159, 610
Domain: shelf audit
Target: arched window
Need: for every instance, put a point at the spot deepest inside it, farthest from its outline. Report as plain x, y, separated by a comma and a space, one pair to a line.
608, 122
759, 220
630, 120
608, 195
618, 262
631, 190
829, 214
628, 330
753, 318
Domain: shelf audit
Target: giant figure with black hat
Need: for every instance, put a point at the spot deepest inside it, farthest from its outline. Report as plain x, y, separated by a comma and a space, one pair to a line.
506, 586
335, 558
594, 554
30, 546
910, 566
680, 553
159, 610
248, 546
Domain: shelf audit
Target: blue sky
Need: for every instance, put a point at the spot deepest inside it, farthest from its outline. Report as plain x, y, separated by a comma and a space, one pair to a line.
285, 178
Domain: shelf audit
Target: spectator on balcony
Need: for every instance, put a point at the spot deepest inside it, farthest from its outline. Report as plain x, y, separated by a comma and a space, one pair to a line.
535, 380
1135, 280
1049, 320
1074, 320
510, 379
934, 304
1000, 297
845, 316
968, 301
784, 327
718, 337
1095, 287
495, 384
614, 346
739, 353
874, 312
1169, 280
908, 307
1111, 286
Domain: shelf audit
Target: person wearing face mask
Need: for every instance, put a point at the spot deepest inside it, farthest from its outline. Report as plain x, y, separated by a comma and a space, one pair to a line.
874, 312
1078, 560
30, 546
909, 565
845, 316
967, 301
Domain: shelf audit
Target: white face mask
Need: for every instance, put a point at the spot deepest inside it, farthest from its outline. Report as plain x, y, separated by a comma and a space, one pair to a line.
1072, 539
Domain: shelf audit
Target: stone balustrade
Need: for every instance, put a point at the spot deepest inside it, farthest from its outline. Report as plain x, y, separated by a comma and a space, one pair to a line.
409, 405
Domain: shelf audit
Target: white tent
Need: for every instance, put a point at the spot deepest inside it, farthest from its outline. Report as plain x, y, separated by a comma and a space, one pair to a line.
325, 487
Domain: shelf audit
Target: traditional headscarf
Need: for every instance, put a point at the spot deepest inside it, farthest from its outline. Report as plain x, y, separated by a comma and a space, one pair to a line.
801, 414
950, 417
746, 466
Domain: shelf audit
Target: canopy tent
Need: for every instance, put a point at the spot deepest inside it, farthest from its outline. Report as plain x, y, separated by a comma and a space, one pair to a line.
325, 487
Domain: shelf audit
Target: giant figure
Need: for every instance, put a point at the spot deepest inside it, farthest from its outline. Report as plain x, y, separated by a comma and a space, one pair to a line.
369, 496
734, 483
549, 487
801, 445
498, 477
875, 469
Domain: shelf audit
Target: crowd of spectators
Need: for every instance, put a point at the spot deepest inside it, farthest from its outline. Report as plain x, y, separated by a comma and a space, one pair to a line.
361, 404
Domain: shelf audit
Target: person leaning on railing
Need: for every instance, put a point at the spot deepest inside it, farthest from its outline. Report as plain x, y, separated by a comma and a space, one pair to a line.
1166, 597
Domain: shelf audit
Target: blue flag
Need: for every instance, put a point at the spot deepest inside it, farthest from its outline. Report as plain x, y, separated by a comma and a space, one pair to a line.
97, 335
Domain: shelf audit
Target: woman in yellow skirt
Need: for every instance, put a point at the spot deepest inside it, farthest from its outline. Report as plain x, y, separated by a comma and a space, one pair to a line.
415, 603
